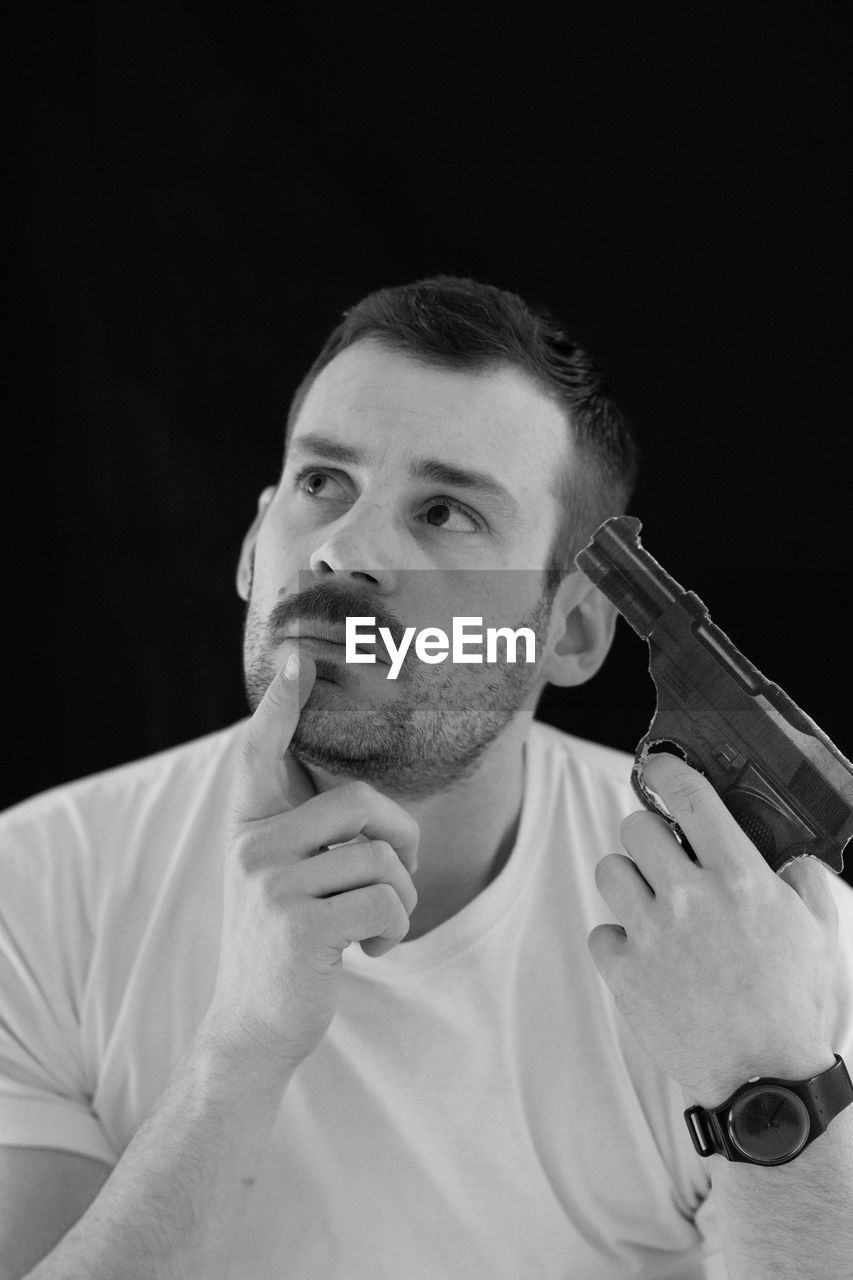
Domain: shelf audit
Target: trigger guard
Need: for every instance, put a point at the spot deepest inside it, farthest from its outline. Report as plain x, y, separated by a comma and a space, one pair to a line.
641, 756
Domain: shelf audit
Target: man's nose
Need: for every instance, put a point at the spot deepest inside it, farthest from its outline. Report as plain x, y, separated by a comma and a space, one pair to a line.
359, 548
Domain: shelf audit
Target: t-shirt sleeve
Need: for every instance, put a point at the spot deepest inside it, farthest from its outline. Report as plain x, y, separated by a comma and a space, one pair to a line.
46, 940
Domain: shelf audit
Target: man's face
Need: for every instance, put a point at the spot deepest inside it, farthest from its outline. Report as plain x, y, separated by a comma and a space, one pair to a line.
411, 494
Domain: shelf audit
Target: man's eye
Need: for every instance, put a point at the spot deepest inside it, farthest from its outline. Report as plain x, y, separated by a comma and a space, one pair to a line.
319, 484
442, 513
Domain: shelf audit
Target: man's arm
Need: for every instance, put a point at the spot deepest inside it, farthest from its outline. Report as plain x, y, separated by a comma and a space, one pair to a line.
793, 1221
42, 1194
173, 1203
725, 971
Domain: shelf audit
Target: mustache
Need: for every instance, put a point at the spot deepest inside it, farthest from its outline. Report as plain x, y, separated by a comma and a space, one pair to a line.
320, 603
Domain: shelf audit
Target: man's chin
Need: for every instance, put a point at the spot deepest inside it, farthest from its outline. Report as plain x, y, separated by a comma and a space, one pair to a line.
349, 759
337, 733
401, 779
403, 753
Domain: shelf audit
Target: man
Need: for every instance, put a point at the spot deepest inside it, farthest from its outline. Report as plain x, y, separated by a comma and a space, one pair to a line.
328, 994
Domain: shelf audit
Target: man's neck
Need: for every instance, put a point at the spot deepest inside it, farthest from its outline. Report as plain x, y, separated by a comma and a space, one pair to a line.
467, 830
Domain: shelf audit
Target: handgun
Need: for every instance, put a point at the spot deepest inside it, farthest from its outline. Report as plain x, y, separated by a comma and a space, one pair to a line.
786, 784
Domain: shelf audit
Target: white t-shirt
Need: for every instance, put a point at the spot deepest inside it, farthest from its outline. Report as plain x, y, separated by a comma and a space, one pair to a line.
478, 1108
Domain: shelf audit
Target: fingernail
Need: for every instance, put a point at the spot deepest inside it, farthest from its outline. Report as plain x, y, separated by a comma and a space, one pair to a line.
291, 667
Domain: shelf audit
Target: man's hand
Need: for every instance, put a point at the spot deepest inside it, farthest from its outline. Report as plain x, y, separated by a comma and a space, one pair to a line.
292, 903
723, 970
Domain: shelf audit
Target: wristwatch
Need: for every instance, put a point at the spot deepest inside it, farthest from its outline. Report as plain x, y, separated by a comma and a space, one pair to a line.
769, 1121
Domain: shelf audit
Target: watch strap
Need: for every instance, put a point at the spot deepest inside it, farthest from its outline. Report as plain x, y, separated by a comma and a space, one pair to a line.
831, 1091
823, 1095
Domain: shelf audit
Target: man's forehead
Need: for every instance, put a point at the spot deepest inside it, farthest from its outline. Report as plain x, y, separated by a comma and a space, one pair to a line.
498, 414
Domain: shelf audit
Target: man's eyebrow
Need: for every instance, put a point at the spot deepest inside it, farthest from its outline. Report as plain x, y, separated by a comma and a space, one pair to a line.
477, 483
326, 448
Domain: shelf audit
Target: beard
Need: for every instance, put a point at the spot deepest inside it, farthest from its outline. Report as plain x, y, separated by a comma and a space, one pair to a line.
431, 735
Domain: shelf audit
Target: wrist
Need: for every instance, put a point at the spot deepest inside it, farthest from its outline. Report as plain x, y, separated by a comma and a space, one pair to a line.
242, 1060
771, 1120
792, 1063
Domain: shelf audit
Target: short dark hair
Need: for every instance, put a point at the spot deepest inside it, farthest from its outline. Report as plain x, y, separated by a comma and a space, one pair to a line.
458, 323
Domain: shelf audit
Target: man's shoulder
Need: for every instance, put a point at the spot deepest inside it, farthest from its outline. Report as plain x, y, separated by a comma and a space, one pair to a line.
179, 767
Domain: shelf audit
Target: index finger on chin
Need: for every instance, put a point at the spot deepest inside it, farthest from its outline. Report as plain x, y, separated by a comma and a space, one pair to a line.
263, 773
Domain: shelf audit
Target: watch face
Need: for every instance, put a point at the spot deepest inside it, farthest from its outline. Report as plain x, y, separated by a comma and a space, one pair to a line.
769, 1124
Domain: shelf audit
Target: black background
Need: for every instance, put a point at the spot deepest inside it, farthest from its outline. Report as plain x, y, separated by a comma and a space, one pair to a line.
197, 193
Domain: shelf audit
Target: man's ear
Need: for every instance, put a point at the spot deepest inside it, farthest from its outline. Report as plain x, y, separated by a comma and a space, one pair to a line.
582, 624
246, 563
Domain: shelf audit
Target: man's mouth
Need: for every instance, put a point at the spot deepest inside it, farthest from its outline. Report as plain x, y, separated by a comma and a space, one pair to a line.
331, 637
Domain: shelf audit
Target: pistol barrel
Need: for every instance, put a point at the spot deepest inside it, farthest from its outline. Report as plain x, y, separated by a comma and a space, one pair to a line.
624, 571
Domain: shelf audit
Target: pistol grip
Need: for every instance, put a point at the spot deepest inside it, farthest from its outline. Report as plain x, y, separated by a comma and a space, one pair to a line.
779, 834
